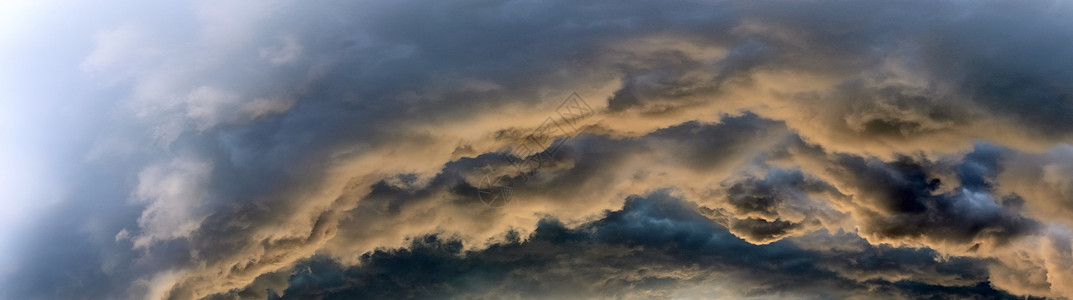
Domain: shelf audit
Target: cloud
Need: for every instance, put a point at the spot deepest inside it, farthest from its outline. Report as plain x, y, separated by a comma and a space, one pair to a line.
173, 194
654, 246
1042, 179
286, 148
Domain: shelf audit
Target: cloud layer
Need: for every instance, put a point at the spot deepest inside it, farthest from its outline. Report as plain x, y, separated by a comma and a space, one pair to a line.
735, 149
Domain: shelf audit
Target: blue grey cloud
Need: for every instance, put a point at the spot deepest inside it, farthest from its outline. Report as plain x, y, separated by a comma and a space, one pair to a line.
823, 149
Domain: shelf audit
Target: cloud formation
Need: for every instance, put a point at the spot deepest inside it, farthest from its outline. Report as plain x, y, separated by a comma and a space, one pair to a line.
655, 246
824, 149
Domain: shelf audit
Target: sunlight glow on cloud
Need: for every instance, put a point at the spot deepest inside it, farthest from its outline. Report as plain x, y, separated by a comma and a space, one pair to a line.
538, 149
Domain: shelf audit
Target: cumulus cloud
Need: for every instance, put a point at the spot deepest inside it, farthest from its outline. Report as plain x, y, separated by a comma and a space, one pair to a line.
654, 246
728, 149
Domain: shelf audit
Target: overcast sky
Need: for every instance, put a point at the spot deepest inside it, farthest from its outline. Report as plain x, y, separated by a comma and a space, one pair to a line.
524, 149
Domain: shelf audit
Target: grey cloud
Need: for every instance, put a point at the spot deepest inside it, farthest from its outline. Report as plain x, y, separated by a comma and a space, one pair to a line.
579, 169
654, 246
270, 132
779, 204
901, 199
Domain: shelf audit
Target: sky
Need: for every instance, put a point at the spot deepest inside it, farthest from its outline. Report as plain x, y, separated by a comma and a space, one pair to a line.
522, 149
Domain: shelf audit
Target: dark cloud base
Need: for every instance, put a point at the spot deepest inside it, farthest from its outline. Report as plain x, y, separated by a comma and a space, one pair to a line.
620, 255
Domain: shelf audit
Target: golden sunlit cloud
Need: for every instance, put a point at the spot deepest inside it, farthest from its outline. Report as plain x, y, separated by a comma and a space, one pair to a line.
541, 150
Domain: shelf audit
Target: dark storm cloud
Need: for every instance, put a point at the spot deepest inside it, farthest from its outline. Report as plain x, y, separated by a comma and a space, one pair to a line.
754, 208
905, 199
254, 135
655, 246
907, 204
575, 171
329, 79
1018, 77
